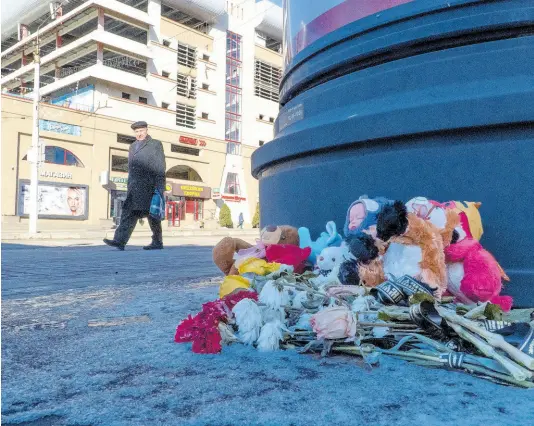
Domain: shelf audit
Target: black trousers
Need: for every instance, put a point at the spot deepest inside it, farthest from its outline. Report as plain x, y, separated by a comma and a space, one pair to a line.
127, 224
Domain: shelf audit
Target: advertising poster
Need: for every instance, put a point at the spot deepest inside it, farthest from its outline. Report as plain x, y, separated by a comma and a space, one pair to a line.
59, 201
306, 21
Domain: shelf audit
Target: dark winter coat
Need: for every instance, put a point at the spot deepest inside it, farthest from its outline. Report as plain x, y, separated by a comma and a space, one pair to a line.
146, 172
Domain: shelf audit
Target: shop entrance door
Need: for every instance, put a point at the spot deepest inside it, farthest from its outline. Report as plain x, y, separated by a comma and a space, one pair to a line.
117, 201
175, 212
195, 207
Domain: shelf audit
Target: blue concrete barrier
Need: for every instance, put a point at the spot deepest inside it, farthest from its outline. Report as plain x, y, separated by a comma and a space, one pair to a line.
429, 98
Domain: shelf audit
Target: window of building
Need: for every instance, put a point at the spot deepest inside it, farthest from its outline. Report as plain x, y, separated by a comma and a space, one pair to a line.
125, 139
261, 143
233, 72
126, 63
233, 93
125, 95
186, 86
262, 116
187, 55
233, 148
165, 105
166, 43
185, 150
185, 116
125, 29
165, 74
232, 128
119, 163
205, 116
232, 184
61, 156
184, 173
205, 57
205, 86
143, 100
233, 46
271, 119
266, 80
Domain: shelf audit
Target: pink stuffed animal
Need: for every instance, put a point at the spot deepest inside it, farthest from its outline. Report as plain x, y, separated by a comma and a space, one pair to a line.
474, 275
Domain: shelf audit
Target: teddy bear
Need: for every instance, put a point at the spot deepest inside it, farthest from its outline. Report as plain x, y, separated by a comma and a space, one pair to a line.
228, 249
415, 247
330, 238
364, 264
473, 273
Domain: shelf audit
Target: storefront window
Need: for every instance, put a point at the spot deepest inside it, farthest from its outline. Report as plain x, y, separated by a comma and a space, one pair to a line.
119, 163
183, 173
62, 156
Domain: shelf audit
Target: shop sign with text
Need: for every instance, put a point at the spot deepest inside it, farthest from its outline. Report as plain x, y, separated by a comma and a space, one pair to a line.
57, 175
120, 182
192, 191
192, 141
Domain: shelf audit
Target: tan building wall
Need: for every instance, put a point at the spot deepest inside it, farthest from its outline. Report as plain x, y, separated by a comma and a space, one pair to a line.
184, 34
268, 55
94, 148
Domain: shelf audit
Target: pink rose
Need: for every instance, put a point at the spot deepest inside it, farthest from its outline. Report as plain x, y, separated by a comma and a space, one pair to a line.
334, 323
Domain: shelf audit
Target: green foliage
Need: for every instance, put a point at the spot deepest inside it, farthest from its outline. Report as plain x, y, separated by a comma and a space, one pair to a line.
493, 312
225, 217
256, 218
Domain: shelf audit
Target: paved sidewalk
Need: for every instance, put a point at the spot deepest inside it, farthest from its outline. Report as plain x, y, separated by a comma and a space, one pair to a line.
15, 235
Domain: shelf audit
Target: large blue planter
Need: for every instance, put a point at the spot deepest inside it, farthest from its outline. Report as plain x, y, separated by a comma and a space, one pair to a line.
424, 99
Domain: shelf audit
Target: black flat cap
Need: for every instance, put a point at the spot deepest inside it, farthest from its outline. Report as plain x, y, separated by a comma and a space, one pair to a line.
139, 125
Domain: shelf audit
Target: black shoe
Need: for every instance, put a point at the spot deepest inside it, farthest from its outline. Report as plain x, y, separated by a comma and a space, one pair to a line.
153, 247
113, 243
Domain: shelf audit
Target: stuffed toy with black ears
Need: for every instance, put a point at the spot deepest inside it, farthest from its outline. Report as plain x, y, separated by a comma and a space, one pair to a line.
415, 247
364, 266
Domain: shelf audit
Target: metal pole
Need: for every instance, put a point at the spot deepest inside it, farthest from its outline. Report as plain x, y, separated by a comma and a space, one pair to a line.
36, 151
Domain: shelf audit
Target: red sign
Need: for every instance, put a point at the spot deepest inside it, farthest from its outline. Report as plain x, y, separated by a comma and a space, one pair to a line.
192, 141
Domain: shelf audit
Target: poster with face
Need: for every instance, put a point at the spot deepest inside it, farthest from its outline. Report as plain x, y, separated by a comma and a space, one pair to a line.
56, 200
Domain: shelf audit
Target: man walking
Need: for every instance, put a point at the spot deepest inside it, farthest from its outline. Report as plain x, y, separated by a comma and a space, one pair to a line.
146, 173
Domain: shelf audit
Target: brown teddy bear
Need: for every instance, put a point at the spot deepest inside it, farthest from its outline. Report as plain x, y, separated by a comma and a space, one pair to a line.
225, 251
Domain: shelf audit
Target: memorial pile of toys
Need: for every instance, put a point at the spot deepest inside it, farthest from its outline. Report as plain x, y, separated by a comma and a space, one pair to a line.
408, 280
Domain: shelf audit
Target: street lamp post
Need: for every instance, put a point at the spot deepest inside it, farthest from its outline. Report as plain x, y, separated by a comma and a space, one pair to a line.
36, 148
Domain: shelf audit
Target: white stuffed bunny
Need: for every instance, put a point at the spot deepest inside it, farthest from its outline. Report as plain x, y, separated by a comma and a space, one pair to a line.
328, 263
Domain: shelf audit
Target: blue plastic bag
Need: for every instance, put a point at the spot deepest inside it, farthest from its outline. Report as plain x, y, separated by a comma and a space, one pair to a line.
157, 206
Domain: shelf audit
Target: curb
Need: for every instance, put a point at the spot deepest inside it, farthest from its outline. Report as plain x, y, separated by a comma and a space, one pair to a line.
107, 233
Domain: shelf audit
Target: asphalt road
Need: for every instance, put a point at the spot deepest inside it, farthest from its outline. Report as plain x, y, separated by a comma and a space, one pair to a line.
40, 268
87, 340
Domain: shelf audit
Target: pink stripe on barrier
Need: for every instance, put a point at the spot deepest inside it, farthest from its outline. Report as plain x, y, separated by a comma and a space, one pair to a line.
340, 15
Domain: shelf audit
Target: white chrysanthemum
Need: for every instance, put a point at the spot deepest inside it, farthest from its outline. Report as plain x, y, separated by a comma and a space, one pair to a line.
247, 314
227, 335
304, 322
300, 296
249, 337
380, 332
248, 319
270, 336
273, 296
360, 304
272, 315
